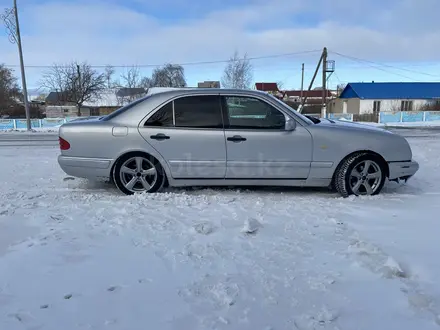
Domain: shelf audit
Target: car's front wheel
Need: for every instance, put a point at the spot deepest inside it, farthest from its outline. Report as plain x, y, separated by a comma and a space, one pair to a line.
360, 174
138, 172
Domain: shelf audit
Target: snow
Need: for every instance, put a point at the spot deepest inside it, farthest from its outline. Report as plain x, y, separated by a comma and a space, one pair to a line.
78, 255
416, 124
45, 130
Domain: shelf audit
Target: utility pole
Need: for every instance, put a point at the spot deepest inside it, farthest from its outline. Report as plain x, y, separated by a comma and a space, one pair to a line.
324, 82
78, 70
13, 28
302, 81
311, 83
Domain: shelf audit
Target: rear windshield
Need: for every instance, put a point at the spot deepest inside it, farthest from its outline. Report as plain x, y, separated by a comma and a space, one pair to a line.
124, 108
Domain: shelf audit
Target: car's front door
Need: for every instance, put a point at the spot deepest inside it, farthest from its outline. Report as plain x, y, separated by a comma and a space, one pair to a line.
258, 145
188, 133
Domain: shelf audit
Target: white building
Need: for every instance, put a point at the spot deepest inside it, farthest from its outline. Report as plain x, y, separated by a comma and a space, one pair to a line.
372, 98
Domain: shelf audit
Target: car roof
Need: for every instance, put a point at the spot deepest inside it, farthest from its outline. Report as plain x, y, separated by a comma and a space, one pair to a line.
136, 110
198, 90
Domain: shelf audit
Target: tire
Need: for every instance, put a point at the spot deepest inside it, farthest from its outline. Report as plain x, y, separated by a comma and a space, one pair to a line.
350, 178
138, 173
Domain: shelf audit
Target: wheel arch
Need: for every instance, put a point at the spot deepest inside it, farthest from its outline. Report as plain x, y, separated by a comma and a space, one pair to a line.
368, 152
139, 151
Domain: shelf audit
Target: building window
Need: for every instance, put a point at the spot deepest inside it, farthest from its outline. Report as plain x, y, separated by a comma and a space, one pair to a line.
376, 106
406, 106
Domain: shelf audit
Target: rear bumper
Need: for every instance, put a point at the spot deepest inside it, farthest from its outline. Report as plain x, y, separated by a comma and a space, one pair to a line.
89, 168
402, 170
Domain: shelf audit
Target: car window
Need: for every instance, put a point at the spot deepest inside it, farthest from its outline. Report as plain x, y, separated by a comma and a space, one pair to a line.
162, 117
124, 108
252, 113
202, 111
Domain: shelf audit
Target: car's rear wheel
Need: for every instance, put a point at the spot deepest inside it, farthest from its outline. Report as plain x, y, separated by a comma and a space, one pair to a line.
137, 173
360, 174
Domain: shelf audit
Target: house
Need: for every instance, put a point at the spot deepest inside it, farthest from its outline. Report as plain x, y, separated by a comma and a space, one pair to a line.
267, 87
109, 100
209, 84
295, 97
372, 98
270, 87
312, 95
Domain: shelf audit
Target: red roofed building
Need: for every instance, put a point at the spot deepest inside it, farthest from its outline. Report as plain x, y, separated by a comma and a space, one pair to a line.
310, 94
267, 87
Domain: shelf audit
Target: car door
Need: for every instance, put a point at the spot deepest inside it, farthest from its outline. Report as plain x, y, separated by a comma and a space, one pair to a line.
258, 145
188, 133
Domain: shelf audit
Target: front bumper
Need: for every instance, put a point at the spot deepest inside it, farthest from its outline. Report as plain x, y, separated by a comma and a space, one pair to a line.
402, 170
88, 168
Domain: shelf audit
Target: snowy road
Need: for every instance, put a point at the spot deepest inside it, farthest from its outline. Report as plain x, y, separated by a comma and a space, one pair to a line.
77, 255
28, 139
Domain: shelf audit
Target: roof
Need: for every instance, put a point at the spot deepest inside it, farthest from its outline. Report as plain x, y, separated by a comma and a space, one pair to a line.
266, 87
312, 93
392, 91
107, 98
56, 97
125, 91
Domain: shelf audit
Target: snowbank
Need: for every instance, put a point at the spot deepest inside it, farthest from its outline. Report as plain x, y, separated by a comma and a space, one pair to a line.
417, 124
45, 130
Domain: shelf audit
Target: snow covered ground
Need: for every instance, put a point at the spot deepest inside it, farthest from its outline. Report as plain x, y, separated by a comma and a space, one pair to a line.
78, 255
416, 124
53, 130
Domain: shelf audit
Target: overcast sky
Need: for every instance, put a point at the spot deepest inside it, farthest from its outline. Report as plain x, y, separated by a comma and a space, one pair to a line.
400, 33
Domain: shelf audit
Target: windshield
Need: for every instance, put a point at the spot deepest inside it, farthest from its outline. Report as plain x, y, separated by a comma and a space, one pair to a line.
286, 106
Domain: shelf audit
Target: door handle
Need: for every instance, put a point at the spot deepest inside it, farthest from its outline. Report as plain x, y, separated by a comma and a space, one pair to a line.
236, 138
159, 137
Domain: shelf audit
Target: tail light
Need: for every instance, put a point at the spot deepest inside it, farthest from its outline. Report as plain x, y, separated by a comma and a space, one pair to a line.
64, 145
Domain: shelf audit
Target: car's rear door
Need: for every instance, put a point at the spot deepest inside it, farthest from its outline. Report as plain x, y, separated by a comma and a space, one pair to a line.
257, 144
188, 133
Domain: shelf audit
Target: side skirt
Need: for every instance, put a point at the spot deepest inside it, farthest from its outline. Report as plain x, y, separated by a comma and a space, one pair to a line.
250, 182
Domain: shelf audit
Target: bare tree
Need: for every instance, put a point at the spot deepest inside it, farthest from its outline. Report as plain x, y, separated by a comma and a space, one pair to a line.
131, 78
75, 82
340, 88
109, 71
170, 75
10, 94
134, 85
238, 73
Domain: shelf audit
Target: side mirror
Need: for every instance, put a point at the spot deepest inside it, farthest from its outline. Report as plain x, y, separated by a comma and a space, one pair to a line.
290, 124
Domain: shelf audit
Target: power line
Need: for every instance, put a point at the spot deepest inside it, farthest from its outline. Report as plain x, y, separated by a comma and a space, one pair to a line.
376, 67
360, 60
181, 64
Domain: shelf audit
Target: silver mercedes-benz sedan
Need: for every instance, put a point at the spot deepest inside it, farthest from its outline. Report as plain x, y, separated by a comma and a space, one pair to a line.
226, 137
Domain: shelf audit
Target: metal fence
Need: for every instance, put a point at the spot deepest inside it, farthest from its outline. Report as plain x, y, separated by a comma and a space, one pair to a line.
7, 124
408, 116
386, 117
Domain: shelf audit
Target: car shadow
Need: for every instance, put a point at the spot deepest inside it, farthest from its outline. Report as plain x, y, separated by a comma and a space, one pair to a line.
303, 191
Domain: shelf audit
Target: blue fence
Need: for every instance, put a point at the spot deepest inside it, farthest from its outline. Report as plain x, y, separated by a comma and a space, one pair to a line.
408, 116
8, 124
